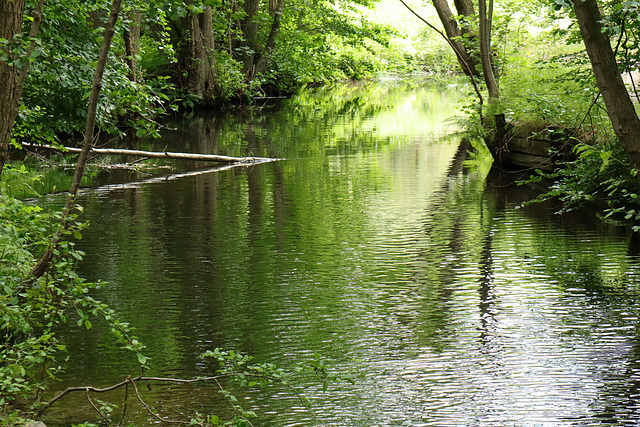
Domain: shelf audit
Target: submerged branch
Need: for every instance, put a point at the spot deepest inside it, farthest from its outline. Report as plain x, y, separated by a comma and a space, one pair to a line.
132, 381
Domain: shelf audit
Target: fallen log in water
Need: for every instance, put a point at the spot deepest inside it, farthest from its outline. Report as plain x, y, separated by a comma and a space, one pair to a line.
158, 154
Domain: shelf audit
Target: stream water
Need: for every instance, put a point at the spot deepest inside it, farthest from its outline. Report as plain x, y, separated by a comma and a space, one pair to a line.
373, 245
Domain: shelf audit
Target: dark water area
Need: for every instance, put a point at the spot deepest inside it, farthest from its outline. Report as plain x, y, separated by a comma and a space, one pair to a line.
375, 245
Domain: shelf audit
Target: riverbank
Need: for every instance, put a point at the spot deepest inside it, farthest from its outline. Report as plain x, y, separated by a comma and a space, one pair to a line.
528, 146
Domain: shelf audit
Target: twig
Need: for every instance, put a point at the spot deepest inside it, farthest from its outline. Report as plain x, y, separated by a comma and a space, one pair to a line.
587, 114
133, 382
124, 405
142, 378
104, 417
152, 413
235, 408
82, 388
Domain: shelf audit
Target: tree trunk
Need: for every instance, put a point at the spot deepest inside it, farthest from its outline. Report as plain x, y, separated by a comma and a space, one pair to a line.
202, 74
10, 24
249, 44
620, 109
465, 8
158, 154
484, 18
276, 8
132, 45
109, 29
454, 33
22, 77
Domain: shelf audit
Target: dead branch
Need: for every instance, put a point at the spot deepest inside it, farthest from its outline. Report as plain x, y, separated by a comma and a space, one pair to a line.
133, 381
152, 413
158, 155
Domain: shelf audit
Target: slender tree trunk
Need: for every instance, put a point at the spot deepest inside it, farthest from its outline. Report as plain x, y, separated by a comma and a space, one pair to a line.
622, 113
44, 262
454, 33
11, 13
132, 45
485, 49
276, 8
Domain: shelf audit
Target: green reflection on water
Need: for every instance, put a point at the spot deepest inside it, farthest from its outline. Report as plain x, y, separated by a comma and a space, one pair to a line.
372, 245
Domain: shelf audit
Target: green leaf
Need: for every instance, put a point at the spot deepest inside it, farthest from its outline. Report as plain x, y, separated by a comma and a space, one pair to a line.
142, 359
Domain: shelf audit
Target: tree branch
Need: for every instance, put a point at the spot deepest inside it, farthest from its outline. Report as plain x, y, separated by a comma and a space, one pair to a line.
132, 381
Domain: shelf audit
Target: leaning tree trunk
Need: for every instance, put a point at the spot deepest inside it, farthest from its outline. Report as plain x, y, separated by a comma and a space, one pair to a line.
484, 19
10, 24
454, 33
276, 8
620, 109
109, 29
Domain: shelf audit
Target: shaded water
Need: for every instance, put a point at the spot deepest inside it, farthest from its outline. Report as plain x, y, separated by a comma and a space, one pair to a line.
372, 246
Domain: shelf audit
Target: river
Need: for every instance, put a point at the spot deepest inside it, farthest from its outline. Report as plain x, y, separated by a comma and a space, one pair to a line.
373, 245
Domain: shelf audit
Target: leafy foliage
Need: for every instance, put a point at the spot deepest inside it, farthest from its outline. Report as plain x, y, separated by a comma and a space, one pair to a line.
237, 367
32, 310
599, 176
57, 90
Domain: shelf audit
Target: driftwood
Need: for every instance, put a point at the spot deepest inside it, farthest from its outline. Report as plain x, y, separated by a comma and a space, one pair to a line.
159, 155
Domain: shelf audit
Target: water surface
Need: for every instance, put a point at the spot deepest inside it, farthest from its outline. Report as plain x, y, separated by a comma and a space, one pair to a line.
374, 245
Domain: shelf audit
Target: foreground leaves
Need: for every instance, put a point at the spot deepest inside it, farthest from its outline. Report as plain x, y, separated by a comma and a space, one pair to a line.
33, 310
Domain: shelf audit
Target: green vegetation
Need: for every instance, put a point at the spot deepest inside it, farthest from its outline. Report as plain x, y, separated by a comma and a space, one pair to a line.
33, 309
547, 78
